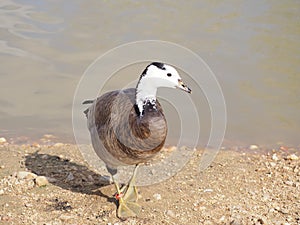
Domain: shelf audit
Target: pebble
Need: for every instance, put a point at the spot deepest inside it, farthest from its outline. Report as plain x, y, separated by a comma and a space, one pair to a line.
284, 211
49, 136
45, 157
289, 183
253, 147
287, 168
292, 157
41, 181
28, 205
65, 218
266, 198
35, 145
58, 144
5, 218
202, 208
171, 149
157, 196
222, 219
90, 178
170, 213
1, 192
235, 222
25, 175
275, 157
51, 179
2, 141
105, 179
70, 177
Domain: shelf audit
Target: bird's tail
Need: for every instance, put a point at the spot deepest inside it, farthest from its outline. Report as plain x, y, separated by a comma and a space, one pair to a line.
88, 102
87, 110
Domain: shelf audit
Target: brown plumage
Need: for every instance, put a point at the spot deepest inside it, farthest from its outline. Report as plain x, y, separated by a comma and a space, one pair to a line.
127, 136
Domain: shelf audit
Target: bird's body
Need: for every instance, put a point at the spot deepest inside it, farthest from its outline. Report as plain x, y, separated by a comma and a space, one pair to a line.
130, 138
128, 127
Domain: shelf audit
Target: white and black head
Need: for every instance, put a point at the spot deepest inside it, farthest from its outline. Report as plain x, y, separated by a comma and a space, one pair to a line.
154, 76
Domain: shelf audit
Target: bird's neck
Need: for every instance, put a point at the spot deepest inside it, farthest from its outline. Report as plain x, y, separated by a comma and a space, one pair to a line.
145, 94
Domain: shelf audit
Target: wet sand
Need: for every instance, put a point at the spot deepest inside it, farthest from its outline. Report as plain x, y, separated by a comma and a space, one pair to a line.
250, 186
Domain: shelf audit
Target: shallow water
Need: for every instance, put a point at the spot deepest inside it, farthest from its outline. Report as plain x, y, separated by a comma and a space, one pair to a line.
252, 47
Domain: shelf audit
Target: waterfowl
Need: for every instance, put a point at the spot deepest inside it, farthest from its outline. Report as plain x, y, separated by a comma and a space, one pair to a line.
128, 127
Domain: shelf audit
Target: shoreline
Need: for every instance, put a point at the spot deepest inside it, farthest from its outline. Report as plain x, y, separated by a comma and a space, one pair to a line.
51, 139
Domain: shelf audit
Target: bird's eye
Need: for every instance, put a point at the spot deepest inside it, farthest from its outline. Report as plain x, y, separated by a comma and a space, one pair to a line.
169, 74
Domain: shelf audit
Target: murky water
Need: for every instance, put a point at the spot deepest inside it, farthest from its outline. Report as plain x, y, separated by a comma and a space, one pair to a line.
253, 48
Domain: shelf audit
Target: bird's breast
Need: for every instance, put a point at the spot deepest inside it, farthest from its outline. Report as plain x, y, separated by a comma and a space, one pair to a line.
127, 136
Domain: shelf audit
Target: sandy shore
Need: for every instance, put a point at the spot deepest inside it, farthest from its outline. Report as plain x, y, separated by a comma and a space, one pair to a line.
52, 184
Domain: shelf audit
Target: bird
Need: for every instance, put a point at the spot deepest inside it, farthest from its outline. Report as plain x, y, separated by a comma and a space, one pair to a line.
128, 127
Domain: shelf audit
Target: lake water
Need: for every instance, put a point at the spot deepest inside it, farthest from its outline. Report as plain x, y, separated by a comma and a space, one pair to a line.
253, 47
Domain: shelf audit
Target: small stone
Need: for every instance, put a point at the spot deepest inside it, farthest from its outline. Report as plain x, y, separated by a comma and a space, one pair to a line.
275, 157
152, 172
28, 205
51, 179
25, 175
292, 157
235, 222
45, 157
208, 190
1, 192
41, 181
2, 167
2, 141
171, 149
289, 183
266, 198
90, 178
284, 148
157, 196
58, 144
284, 211
202, 208
35, 145
253, 147
5, 218
222, 219
105, 179
170, 213
49, 136
70, 177
287, 168
65, 218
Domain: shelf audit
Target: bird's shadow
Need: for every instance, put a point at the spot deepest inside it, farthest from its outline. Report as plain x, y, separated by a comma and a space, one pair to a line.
67, 174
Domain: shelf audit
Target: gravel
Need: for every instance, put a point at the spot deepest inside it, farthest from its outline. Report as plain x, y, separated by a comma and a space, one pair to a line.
52, 184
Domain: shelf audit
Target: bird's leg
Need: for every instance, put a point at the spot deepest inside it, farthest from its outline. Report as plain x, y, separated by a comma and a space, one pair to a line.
127, 201
130, 191
119, 192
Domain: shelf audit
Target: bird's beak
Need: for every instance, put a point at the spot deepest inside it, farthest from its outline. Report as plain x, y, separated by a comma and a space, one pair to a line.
183, 87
